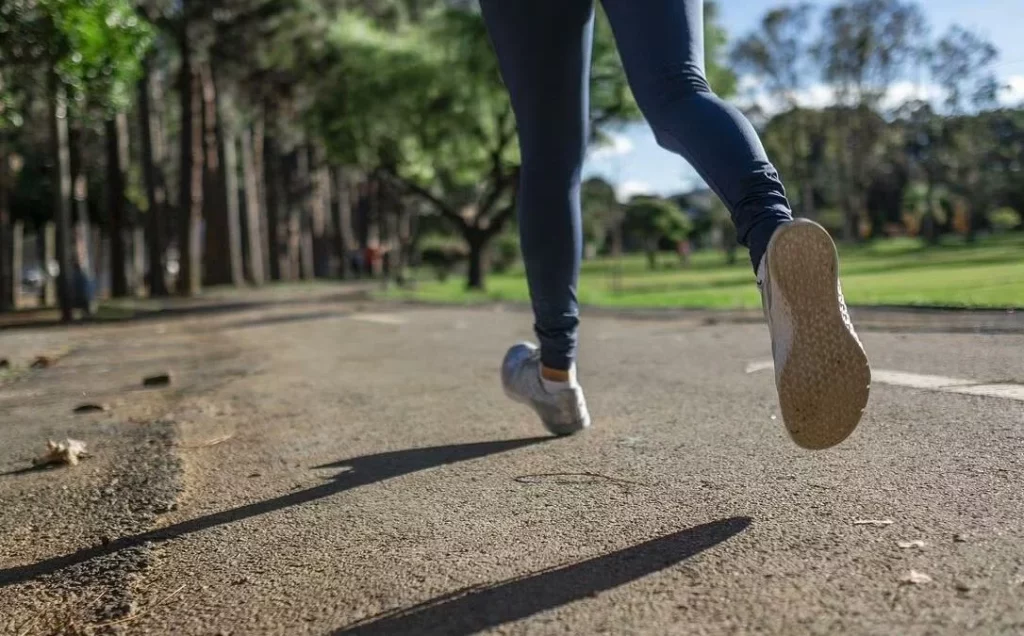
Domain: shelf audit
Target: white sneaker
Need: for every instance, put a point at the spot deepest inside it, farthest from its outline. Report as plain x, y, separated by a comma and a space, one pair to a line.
821, 370
563, 411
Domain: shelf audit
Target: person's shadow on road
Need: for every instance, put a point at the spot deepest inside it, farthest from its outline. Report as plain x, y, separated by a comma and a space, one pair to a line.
363, 471
474, 609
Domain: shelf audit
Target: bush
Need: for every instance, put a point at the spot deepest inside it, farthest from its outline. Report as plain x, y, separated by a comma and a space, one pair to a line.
505, 252
1005, 219
442, 254
832, 220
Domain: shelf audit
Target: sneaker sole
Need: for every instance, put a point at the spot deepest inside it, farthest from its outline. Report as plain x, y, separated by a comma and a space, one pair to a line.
560, 430
824, 384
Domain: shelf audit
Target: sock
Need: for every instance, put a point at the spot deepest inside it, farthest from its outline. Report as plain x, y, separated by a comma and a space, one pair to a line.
555, 380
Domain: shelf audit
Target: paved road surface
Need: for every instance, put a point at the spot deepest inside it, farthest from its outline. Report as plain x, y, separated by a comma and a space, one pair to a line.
341, 469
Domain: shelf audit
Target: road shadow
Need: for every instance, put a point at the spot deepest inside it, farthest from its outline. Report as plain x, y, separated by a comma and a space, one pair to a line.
474, 609
363, 471
28, 469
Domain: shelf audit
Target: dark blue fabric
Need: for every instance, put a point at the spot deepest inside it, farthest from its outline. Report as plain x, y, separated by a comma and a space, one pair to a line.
543, 49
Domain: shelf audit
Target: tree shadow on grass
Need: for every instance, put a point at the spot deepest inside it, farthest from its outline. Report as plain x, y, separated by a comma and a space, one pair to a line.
364, 471
474, 609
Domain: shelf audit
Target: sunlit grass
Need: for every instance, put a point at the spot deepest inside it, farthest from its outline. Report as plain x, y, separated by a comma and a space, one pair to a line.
989, 273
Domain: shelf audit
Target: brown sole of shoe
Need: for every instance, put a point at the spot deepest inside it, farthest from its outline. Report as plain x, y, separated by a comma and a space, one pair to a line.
824, 384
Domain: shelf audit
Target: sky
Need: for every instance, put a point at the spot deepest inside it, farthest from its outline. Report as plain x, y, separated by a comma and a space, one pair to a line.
637, 165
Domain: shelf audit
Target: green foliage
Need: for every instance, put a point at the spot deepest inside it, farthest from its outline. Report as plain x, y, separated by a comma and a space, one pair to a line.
101, 45
778, 51
422, 103
721, 78
424, 99
866, 44
651, 220
610, 96
94, 46
961, 63
652, 217
1005, 219
601, 210
428, 98
505, 252
442, 254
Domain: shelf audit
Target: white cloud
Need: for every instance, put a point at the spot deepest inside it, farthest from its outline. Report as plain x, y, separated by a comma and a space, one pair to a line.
902, 92
816, 96
754, 93
616, 146
630, 188
1013, 95
821, 95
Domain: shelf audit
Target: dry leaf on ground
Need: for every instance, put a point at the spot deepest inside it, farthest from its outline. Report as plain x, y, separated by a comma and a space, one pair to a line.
906, 545
915, 578
69, 452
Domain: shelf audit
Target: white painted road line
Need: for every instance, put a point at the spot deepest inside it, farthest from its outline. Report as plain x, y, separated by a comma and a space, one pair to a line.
1005, 391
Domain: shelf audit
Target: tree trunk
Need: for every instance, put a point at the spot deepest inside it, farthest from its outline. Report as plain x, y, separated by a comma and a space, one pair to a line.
234, 219
153, 157
62, 191
80, 189
807, 200
253, 210
273, 180
851, 228
320, 210
342, 212
300, 232
652, 258
617, 256
307, 251
100, 259
289, 220
477, 248
117, 156
385, 218
17, 262
8, 284
403, 252
221, 231
976, 201
929, 220
190, 178
101, 249
49, 245
258, 142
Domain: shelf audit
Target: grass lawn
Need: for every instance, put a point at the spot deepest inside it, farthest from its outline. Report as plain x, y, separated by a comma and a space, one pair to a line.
988, 273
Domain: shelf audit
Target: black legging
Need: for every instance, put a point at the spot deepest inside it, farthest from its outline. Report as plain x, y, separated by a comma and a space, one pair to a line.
544, 49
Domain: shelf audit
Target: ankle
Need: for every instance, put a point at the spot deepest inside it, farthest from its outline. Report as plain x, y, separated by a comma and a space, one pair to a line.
554, 375
554, 380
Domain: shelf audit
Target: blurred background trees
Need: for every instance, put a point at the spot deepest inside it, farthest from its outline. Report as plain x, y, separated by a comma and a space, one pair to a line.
151, 146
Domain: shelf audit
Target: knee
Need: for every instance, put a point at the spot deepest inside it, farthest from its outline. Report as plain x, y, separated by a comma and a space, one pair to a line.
665, 94
553, 157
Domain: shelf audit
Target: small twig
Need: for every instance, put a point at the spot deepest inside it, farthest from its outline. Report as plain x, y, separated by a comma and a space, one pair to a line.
213, 442
533, 479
